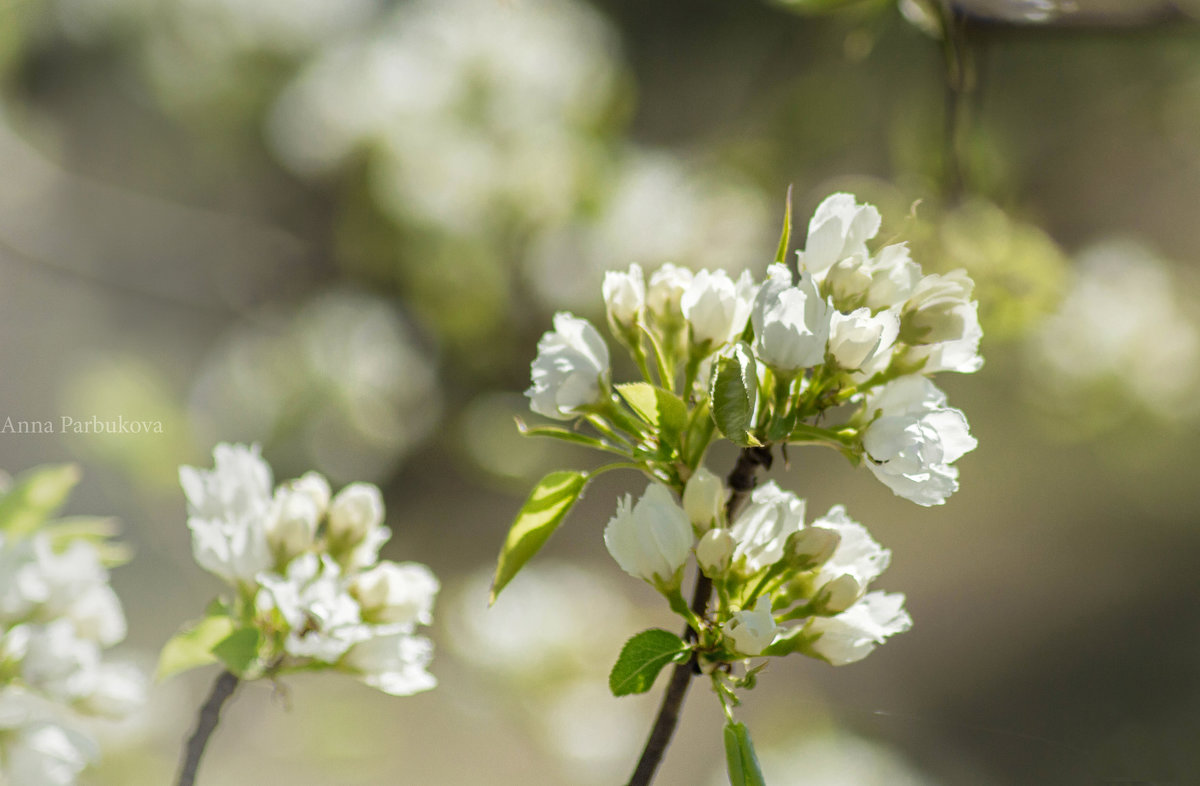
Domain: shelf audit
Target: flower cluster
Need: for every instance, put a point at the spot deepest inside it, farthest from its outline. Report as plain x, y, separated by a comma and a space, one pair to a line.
310, 591
57, 616
768, 567
853, 338
838, 353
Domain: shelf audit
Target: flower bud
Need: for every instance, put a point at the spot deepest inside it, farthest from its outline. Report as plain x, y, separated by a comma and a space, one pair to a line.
838, 595
809, 548
624, 298
839, 228
855, 338
752, 631
392, 593
703, 499
316, 487
715, 551
652, 539
354, 512
292, 524
663, 295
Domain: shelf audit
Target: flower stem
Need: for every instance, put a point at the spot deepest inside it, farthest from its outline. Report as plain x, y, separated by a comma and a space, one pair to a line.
741, 481
206, 722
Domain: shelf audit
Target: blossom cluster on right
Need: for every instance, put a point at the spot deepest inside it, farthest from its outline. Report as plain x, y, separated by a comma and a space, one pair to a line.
838, 352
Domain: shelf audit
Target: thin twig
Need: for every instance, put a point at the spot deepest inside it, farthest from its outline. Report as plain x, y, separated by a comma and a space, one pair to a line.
206, 722
741, 481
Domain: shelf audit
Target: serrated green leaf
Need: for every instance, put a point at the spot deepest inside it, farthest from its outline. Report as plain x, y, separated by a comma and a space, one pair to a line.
657, 406
239, 650
192, 647
734, 391
35, 496
740, 757
548, 504
642, 658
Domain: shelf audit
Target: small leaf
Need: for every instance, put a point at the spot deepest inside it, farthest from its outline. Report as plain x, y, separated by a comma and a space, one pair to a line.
192, 647
238, 650
790, 642
546, 507
35, 496
642, 658
555, 432
657, 406
785, 238
734, 390
740, 757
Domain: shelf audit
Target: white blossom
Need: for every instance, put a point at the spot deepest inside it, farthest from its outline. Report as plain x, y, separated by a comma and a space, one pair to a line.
396, 593
839, 228
395, 663
791, 323
752, 631
355, 512
716, 307
762, 527
292, 524
894, 276
571, 370
228, 508
911, 446
625, 297
650, 540
39, 752
941, 322
853, 634
323, 619
857, 553
856, 338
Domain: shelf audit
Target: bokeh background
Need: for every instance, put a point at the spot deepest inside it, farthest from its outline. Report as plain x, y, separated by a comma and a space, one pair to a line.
337, 228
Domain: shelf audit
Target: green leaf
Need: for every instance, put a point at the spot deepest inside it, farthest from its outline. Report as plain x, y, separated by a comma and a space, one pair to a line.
740, 757
785, 238
734, 391
642, 658
548, 504
35, 496
192, 647
238, 650
554, 432
792, 641
657, 406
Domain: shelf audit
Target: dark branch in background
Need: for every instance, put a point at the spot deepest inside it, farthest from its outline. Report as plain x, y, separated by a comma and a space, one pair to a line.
959, 68
210, 715
741, 481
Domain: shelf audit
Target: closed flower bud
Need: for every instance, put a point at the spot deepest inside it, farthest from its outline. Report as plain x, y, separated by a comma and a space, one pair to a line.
837, 595
354, 512
316, 487
752, 631
714, 552
791, 323
665, 292
650, 540
809, 548
292, 524
571, 370
703, 498
624, 298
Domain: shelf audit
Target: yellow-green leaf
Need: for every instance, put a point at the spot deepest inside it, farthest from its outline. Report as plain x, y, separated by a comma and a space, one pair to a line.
193, 646
35, 496
548, 504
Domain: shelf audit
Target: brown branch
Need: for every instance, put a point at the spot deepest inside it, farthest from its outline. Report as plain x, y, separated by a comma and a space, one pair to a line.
206, 722
741, 481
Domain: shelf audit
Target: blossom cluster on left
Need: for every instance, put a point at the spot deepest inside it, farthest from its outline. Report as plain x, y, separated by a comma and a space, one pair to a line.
58, 615
308, 590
